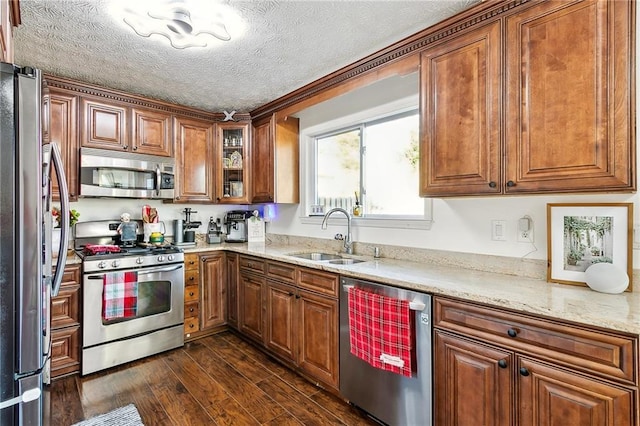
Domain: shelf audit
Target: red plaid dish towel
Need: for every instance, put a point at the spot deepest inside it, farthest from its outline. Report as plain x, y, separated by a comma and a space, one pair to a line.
380, 331
119, 295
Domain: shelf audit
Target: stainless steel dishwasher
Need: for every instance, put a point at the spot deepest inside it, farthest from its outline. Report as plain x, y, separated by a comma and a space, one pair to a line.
388, 397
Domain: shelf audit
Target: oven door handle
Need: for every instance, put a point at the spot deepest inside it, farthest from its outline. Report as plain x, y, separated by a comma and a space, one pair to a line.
143, 272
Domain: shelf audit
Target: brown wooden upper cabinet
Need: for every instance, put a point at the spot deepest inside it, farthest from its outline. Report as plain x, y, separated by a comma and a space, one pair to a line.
105, 125
60, 118
232, 164
275, 160
539, 115
195, 160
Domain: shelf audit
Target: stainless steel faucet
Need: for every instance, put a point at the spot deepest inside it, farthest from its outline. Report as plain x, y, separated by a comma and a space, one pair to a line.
347, 239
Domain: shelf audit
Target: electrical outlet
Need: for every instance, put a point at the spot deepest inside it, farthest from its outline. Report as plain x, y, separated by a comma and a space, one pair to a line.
525, 236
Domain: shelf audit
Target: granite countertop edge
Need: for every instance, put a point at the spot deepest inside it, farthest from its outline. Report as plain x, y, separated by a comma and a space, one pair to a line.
577, 304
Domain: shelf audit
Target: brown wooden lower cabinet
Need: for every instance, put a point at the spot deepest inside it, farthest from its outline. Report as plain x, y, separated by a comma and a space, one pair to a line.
251, 288
65, 324
297, 325
487, 371
232, 289
204, 294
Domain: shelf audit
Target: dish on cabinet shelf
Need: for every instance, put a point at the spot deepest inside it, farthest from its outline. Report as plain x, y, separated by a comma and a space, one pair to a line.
236, 160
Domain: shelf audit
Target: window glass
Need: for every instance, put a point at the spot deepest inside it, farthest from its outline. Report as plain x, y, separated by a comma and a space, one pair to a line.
374, 164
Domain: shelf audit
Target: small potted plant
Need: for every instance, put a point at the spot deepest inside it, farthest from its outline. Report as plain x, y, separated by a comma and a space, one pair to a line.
73, 217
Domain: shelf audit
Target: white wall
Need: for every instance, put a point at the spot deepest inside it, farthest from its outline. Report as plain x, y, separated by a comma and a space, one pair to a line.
460, 224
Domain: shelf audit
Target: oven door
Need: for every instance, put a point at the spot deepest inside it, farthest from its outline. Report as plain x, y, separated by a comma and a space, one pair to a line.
160, 304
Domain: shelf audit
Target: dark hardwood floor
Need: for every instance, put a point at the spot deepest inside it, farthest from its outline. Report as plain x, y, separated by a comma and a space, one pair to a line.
216, 380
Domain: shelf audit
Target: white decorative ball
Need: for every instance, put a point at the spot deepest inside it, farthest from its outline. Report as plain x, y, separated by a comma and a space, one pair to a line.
606, 278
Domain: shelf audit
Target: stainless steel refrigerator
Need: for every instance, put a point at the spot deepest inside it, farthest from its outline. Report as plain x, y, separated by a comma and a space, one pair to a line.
26, 279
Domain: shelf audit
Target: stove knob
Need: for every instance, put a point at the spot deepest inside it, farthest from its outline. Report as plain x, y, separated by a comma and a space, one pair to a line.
170, 257
115, 263
102, 264
139, 260
160, 258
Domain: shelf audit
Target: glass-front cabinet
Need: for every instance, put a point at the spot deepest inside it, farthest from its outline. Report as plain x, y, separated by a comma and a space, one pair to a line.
233, 178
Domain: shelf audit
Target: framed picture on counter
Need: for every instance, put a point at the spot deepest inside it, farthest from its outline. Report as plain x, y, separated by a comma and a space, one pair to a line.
582, 234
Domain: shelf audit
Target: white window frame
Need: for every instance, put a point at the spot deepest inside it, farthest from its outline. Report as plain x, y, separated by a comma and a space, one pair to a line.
308, 176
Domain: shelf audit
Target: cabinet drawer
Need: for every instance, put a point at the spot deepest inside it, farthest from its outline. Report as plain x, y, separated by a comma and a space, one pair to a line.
65, 307
281, 271
65, 351
191, 310
191, 325
192, 293
252, 264
191, 262
322, 282
191, 277
604, 353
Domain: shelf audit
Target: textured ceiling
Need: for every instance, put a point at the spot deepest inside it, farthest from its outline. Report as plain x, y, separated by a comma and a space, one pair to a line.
286, 45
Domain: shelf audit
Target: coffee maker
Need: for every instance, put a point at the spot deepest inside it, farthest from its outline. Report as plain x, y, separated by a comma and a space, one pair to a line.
236, 223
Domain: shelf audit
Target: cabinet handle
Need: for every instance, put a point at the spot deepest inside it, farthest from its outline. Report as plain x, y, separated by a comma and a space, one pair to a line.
502, 363
191, 325
135, 148
190, 293
125, 147
191, 262
512, 332
191, 309
524, 371
290, 294
191, 278
511, 184
177, 198
297, 296
492, 184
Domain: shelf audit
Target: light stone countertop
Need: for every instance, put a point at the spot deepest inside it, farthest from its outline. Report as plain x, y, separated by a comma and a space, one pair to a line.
620, 312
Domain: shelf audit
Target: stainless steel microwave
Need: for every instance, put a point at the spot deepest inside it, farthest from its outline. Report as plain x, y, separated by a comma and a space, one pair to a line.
105, 173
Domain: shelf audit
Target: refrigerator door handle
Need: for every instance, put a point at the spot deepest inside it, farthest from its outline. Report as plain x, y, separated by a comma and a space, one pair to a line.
27, 396
65, 219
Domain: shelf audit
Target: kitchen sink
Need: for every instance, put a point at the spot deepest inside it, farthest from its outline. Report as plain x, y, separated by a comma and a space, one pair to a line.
345, 261
317, 256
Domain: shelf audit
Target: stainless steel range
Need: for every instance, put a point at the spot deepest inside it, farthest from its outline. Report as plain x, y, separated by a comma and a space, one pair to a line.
133, 296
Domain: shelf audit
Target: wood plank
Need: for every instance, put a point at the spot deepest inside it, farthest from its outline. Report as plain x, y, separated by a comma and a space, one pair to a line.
304, 409
349, 415
261, 358
205, 389
239, 387
230, 413
180, 405
241, 361
284, 420
151, 410
62, 402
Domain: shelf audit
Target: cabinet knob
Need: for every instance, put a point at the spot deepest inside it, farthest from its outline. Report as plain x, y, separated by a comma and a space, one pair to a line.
191, 278
177, 198
511, 184
135, 148
512, 332
492, 184
290, 294
125, 147
191, 309
502, 363
524, 371
190, 293
191, 325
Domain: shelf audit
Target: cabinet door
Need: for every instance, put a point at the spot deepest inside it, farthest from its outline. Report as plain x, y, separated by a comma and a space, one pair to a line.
194, 160
251, 312
275, 160
104, 125
318, 337
233, 164
63, 125
65, 351
569, 106
213, 291
280, 332
460, 124
232, 289
262, 170
550, 396
151, 132
473, 383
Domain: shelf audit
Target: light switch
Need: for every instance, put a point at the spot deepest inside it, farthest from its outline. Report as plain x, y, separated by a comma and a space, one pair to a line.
499, 230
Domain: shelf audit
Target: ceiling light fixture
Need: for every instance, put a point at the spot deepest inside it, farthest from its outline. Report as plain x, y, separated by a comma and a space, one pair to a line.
185, 24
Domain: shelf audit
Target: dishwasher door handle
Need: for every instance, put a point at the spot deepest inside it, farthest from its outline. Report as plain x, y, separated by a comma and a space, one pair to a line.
415, 305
